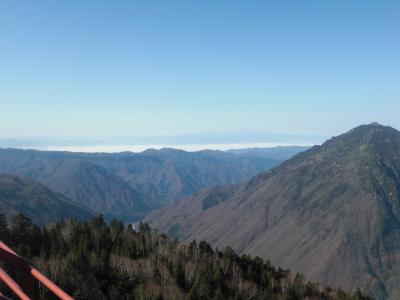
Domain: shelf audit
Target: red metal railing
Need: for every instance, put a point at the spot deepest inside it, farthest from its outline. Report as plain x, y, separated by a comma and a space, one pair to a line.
26, 292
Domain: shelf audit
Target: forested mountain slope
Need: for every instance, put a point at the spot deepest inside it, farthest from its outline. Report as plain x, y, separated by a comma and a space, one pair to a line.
332, 213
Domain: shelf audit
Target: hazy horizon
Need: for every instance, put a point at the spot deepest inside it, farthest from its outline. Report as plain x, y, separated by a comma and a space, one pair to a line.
242, 139
188, 142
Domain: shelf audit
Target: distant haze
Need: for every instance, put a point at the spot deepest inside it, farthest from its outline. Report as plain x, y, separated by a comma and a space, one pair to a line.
190, 142
140, 148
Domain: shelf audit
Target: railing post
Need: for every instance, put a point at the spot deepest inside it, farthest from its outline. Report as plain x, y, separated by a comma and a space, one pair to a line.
14, 287
29, 276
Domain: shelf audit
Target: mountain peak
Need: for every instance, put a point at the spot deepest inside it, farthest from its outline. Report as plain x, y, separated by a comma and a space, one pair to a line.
368, 128
368, 134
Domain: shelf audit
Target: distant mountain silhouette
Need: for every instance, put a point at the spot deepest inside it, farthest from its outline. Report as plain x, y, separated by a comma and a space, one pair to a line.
332, 213
19, 195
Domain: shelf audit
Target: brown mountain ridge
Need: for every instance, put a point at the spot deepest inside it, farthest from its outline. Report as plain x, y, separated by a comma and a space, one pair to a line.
332, 213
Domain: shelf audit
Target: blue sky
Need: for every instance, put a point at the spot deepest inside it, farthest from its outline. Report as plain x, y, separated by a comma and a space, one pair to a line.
129, 68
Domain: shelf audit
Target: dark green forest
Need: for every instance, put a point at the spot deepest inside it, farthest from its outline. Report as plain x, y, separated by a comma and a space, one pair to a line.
100, 260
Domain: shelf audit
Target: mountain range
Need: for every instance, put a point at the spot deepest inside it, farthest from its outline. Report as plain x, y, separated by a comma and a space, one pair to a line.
129, 185
331, 213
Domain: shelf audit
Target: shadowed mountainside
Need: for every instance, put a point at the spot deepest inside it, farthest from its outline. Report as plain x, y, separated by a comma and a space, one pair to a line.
19, 195
90, 185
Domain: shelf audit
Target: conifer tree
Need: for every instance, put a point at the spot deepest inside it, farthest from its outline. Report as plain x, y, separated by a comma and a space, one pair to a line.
4, 231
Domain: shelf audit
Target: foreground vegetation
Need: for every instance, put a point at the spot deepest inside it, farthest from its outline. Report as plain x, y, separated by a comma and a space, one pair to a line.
96, 260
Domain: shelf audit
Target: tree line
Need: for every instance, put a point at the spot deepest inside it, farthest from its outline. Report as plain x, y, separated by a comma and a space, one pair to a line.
99, 260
